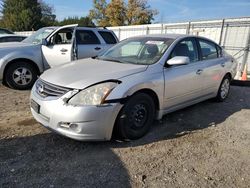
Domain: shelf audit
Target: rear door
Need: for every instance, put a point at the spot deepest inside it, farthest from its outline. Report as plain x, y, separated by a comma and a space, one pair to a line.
88, 43
184, 83
214, 64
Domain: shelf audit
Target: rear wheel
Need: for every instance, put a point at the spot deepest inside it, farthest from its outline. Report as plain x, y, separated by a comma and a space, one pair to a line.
136, 117
224, 89
21, 75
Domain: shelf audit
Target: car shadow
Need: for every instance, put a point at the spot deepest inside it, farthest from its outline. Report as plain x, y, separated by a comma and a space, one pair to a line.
197, 117
50, 160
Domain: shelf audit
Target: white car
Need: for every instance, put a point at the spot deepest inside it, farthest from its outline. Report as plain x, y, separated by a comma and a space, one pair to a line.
22, 62
134, 82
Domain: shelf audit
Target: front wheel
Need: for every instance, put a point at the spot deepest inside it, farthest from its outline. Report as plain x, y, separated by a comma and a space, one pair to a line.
136, 117
21, 75
223, 89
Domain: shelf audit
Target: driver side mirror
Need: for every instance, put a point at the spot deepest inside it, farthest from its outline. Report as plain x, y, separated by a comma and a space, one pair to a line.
179, 60
44, 42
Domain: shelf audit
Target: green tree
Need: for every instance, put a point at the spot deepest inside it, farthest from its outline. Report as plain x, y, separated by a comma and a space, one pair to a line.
139, 12
21, 15
48, 16
98, 13
26, 14
82, 21
116, 13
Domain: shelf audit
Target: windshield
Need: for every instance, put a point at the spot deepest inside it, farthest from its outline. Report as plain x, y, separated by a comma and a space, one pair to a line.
142, 50
37, 37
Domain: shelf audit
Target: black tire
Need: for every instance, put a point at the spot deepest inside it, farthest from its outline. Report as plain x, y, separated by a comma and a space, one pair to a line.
224, 89
23, 81
135, 118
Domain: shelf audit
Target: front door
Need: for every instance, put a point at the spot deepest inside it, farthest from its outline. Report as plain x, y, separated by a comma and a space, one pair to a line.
59, 48
184, 83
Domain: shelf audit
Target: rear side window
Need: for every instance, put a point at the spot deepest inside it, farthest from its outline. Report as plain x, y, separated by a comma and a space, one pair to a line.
108, 37
86, 37
208, 50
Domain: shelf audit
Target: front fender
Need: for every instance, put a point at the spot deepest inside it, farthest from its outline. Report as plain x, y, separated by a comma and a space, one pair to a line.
32, 55
149, 80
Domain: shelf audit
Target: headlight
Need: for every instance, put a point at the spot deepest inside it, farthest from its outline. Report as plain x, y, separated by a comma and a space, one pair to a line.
94, 95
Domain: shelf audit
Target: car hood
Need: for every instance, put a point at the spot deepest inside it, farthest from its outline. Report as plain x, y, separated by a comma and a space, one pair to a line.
82, 73
6, 45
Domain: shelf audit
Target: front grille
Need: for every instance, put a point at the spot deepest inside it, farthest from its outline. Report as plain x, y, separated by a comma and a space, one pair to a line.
45, 89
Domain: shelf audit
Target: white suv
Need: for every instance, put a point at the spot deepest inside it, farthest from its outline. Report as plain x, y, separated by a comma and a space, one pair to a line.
22, 62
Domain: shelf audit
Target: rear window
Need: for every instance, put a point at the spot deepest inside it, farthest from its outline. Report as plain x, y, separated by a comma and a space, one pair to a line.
86, 37
108, 37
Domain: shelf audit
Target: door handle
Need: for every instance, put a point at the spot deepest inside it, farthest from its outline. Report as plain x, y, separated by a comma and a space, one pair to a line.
199, 71
97, 48
223, 64
63, 50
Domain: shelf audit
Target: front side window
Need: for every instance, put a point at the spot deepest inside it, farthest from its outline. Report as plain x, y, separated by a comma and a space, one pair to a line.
86, 37
187, 48
63, 36
143, 51
208, 50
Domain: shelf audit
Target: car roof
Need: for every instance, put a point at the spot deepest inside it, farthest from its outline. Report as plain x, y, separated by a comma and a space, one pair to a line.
95, 28
169, 36
174, 36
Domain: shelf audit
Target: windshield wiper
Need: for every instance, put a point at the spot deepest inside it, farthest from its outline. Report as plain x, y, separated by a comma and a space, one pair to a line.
114, 60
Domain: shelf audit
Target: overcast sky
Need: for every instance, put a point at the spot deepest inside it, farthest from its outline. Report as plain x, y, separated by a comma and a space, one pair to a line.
169, 10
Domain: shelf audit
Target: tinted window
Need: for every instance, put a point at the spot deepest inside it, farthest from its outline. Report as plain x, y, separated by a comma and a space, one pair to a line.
86, 37
11, 39
188, 48
208, 50
108, 37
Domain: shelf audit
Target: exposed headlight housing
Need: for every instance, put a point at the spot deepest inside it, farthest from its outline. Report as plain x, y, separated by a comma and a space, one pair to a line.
94, 95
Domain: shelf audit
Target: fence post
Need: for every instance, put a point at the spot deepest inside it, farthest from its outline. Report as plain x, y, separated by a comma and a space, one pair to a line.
147, 30
119, 33
225, 36
166, 29
188, 28
162, 28
246, 53
221, 31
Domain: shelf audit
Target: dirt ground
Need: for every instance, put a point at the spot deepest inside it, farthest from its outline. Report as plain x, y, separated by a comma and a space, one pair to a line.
206, 145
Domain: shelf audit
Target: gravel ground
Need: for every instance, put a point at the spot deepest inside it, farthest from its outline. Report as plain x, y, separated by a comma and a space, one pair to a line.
206, 145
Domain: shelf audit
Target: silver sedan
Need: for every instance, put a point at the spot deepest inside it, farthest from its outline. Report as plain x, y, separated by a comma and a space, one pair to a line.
138, 80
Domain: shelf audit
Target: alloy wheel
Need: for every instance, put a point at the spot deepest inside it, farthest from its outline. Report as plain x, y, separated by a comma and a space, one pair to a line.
22, 76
